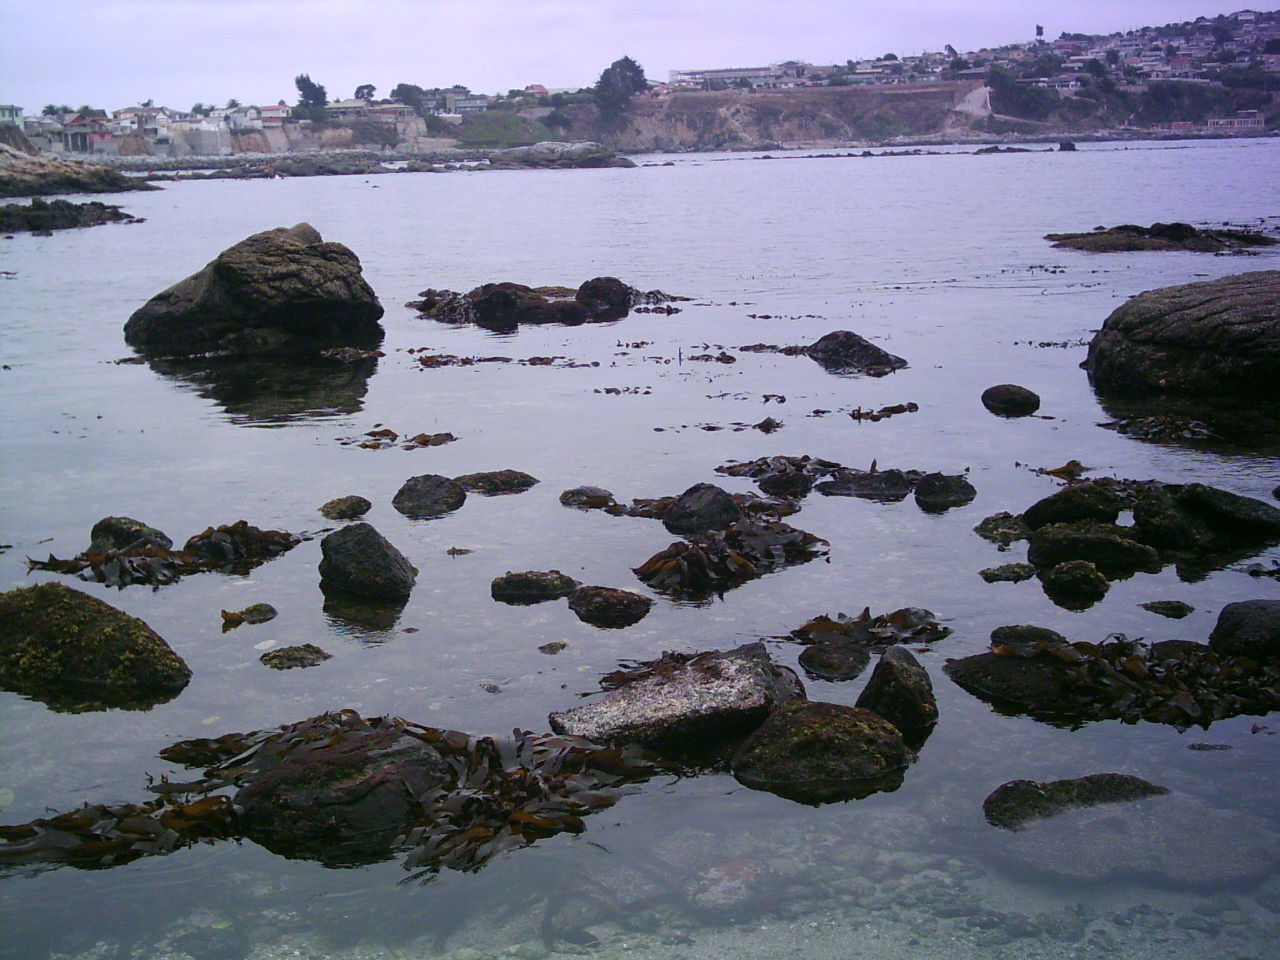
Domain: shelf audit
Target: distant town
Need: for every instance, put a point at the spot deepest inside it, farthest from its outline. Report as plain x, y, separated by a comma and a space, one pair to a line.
1229, 52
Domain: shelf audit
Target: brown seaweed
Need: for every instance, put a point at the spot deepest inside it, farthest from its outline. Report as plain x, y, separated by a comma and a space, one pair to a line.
908, 625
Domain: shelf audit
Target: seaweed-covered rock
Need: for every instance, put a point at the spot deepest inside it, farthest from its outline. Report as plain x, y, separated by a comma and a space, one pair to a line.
254, 613
1131, 238
822, 753
1023, 682
350, 507
1074, 584
685, 701
1080, 501
937, 492
701, 508
883, 486
295, 658
845, 352
41, 216
1008, 573
428, 495
1010, 400
1173, 609
1014, 804
272, 289
900, 691
1002, 528
609, 607
1248, 628
120, 533
1024, 636
588, 498
605, 298
531, 586
359, 562
1105, 545
75, 652
493, 483
1211, 338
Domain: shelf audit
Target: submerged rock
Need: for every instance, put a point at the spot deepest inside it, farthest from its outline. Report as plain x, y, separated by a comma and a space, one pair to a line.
291, 658
1075, 584
1003, 528
937, 492
1014, 804
350, 507
493, 483
272, 289
1173, 609
1008, 573
120, 533
531, 586
1010, 400
75, 652
832, 660
700, 509
1248, 628
843, 351
608, 607
900, 691
254, 613
428, 495
822, 753
360, 563
588, 498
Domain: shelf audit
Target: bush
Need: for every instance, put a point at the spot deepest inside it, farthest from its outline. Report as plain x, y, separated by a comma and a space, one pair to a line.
501, 129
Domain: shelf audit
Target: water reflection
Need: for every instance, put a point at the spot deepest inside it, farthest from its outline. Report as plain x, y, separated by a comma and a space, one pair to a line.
362, 621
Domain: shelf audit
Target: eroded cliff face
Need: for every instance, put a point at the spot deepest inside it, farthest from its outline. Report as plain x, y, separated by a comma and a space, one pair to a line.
737, 119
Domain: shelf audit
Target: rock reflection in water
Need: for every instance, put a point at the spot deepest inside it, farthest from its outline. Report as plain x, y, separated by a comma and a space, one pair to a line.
362, 621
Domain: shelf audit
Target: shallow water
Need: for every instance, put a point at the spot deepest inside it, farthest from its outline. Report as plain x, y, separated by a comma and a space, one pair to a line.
939, 259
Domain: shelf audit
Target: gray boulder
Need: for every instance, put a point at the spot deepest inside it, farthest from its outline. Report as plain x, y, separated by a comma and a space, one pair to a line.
359, 562
701, 508
1010, 400
428, 495
843, 351
1248, 628
900, 691
116, 533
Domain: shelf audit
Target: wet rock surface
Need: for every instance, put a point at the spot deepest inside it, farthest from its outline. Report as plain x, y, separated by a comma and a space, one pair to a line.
44, 216
504, 307
254, 613
608, 607
900, 691
121, 533
937, 492
1074, 584
358, 562
350, 507
832, 660
75, 652
1129, 238
1248, 628
1173, 609
296, 657
274, 289
1008, 573
532, 586
700, 509
493, 483
1010, 400
845, 352
429, 495
1013, 805
587, 498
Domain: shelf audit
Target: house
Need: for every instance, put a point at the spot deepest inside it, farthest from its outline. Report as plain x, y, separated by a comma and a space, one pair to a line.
274, 115
1062, 82
10, 114
463, 102
347, 109
1246, 121
81, 134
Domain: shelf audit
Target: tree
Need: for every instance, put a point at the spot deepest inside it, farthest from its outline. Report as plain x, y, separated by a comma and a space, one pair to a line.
311, 99
411, 95
147, 104
1113, 58
958, 64
890, 56
619, 82
232, 104
365, 91
1096, 67
203, 109
52, 110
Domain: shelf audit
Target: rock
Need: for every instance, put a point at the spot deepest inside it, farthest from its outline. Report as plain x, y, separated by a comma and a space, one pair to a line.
937, 492
843, 351
900, 691
835, 660
1012, 805
1002, 528
25, 175
1161, 521
1130, 237
1018, 681
1079, 501
786, 483
117, 533
350, 507
343, 801
1213, 338
1010, 400
1105, 545
289, 658
428, 495
608, 606
1242, 519
1021, 636
606, 298
1075, 584
728, 886
1173, 609
883, 486
686, 701
555, 155
1066, 146
1008, 573
531, 586
358, 562
254, 613
44, 216
700, 509
1248, 628
280, 287
495, 483
502, 307
588, 498
821, 753
75, 652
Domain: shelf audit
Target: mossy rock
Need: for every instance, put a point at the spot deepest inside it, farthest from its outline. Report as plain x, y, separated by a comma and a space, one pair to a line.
76, 652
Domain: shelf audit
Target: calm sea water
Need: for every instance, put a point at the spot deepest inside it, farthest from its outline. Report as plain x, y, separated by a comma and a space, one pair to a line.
939, 258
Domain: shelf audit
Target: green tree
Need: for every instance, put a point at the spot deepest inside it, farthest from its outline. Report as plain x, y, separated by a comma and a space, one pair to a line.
1113, 58
311, 99
619, 82
232, 104
1096, 68
203, 109
890, 56
365, 91
958, 64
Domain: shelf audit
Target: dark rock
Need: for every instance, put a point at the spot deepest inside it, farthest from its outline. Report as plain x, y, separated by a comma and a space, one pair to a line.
605, 298
1021, 636
350, 507
686, 701
882, 486
359, 562
701, 508
495, 483
835, 660
531, 586
503, 307
1018, 681
843, 351
42, 217
1079, 501
1218, 337
1008, 573
75, 652
937, 492
1161, 521
1075, 584
289, 658
118, 533
428, 495
1248, 628
786, 483
1066, 146
1105, 545
1230, 515
1014, 804
821, 753
1129, 238
588, 498
900, 691
1010, 400
608, 606
273, 289
1173, 609
27, 175
254, 613
1002, 528
554, 155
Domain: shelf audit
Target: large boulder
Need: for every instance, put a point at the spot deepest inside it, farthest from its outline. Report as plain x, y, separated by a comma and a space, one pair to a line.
822, 752
843, 351
900, 691
938, 492
1248, 628
685, 702
606, 298
502, 307
359, 562
1210, 338
276, 288
1023, 682
608, 607
701, 508
1010, 400
428, 495
76, 652
117, 533
1107, 546
1079, 501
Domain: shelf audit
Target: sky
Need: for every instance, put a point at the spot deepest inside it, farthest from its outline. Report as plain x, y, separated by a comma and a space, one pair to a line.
115, 53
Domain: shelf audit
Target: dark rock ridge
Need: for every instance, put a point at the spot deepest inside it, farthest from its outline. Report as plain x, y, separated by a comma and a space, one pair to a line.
1014, 804
43, 216
503, 307
26, 175
845, 352
274, 289
1130, 237
1217, 337
554, 155
358, 562
75, 652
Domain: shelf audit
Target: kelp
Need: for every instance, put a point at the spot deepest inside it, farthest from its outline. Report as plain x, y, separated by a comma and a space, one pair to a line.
767, 466
908, 625
751, 505
708, 565
383, 438
233, 548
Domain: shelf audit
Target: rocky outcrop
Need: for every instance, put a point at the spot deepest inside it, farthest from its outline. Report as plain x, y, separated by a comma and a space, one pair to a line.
75, 652
700, 509
554, 155
274, 289
44, 216
358, 562
845, 352
1218, 337
503, 307
24, 175
1129, 238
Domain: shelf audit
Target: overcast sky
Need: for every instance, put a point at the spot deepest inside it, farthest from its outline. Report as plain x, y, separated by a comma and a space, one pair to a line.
113, 53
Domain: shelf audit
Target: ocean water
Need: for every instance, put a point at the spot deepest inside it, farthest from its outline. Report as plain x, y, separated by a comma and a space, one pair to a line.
939, 259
